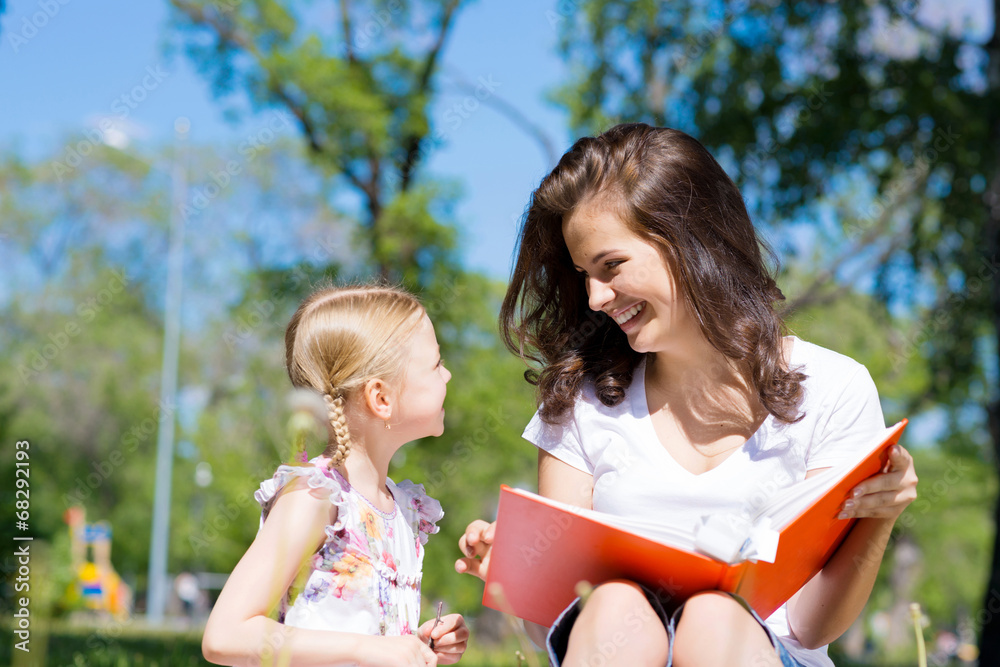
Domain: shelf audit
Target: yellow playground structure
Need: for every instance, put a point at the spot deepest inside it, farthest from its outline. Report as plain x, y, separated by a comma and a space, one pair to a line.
96, 583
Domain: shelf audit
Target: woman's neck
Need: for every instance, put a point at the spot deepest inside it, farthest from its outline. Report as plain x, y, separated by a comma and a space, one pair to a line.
703, 390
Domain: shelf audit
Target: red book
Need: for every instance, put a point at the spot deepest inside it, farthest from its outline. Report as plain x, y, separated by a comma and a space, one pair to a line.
543, 548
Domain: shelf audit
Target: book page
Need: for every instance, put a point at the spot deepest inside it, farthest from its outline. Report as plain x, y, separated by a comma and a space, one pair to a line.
788, 503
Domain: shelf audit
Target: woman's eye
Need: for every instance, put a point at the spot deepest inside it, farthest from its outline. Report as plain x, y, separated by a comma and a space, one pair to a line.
614, 263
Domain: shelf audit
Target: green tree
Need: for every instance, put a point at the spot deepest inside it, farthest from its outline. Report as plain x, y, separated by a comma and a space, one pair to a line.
360, 94
873, 126
360, 97
82, 332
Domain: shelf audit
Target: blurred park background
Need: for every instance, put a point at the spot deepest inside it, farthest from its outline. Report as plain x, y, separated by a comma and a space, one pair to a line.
297, 141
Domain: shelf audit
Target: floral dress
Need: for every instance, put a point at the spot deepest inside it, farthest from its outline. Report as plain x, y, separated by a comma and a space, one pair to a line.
366, 576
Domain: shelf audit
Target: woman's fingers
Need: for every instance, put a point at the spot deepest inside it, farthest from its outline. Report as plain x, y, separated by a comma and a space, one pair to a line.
887, 494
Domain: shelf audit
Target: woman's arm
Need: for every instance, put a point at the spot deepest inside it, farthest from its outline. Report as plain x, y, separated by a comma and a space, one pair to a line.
831, 601
239, 631
560, 481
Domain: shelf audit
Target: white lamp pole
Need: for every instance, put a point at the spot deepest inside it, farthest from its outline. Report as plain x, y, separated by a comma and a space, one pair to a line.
156, 600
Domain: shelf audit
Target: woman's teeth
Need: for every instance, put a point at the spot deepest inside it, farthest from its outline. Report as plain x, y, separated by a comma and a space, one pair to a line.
629, 314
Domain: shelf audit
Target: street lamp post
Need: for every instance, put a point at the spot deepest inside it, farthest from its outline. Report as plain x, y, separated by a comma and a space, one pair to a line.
159, 542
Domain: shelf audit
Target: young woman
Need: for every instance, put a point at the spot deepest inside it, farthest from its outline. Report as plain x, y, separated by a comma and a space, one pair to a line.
668, 390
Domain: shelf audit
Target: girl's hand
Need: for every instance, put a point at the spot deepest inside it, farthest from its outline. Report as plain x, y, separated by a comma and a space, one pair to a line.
404, 651
885, 495
476, 544
451, 637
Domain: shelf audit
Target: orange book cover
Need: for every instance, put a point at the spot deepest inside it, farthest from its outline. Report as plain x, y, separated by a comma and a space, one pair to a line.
542, 548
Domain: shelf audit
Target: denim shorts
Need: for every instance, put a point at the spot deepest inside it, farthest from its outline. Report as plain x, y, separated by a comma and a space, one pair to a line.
557, 640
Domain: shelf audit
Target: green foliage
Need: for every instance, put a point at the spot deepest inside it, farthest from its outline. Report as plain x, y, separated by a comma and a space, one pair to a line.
360, 97
803, 102
952, 490
111, 644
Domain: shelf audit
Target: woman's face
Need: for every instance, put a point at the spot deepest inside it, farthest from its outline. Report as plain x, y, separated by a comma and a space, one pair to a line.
629, 279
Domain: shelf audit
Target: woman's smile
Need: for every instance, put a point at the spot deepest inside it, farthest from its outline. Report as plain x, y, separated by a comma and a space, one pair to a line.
629, 316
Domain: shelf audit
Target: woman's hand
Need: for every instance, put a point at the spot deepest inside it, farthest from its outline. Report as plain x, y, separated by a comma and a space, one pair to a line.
404, 651
476, 544
451, 637
885, 495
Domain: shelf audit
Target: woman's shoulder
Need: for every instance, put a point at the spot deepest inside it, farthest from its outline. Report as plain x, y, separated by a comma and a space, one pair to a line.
812, 359
831, 377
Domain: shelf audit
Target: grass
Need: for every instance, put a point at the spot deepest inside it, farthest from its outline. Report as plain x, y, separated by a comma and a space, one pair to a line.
112, 644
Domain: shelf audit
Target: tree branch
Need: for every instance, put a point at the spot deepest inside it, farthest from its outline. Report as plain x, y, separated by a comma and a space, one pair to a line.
811, 294
413, 142
345, 22
233, 37
514, 115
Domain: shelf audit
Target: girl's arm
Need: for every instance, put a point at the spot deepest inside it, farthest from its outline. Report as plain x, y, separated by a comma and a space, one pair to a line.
239, 631
831, 601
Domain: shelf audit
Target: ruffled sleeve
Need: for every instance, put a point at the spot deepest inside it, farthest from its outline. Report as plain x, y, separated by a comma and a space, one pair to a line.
321, 481
424, 511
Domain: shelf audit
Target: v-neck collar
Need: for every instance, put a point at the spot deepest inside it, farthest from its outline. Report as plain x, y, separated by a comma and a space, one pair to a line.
640, 410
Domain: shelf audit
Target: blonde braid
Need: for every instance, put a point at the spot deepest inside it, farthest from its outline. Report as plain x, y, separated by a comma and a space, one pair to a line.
335, 412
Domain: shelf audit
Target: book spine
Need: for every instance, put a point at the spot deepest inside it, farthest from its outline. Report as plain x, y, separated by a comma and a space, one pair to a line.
733, 577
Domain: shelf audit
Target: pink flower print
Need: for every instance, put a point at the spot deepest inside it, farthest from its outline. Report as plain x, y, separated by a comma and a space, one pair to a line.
388, 560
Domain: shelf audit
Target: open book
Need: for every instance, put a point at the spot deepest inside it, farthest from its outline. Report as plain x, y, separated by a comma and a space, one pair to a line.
542, 548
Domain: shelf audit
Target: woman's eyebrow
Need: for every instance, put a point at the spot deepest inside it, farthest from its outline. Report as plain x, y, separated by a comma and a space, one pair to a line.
604, 253
598, 257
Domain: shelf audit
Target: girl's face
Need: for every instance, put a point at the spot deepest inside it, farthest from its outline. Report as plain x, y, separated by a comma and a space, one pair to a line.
421, 400
628, 279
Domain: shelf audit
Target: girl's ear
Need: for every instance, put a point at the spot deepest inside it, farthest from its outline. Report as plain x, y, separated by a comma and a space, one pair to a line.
378, 399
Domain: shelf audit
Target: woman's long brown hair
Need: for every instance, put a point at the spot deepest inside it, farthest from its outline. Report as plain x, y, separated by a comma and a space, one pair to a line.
672, 193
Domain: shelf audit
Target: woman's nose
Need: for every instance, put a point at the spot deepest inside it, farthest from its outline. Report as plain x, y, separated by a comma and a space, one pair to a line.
599, 293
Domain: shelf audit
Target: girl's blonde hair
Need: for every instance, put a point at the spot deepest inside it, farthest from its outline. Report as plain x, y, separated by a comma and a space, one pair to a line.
341, 337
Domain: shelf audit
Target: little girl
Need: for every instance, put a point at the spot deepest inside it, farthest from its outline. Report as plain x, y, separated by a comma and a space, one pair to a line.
352, 536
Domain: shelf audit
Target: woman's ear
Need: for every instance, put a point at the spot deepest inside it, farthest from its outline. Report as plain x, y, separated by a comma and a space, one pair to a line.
378, 399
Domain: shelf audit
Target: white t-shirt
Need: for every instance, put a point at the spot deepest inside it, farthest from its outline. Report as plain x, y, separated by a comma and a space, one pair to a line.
635, 476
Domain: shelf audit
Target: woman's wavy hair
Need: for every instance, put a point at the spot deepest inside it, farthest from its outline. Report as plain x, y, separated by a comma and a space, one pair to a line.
670, 192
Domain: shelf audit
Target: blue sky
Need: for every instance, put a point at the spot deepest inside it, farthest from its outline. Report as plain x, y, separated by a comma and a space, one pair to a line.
65, 65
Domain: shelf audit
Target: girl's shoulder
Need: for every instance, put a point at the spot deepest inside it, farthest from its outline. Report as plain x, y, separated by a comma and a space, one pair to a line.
421, 511
322, 483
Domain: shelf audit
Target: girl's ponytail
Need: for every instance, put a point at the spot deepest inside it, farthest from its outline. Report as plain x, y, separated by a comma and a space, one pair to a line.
341, 447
